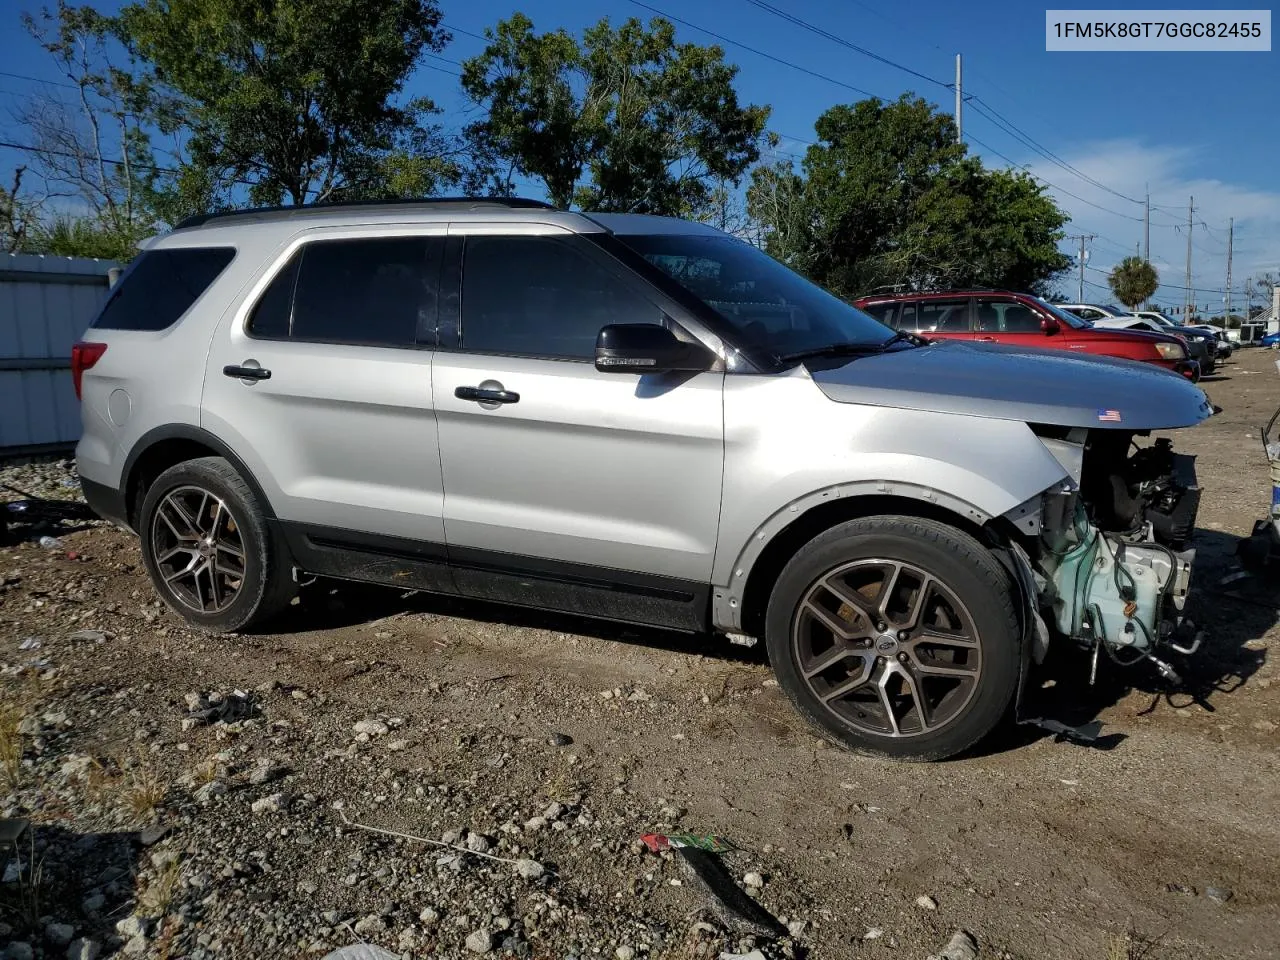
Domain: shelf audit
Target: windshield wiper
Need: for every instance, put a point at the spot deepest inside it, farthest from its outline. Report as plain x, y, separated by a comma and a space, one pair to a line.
903, 337
831, 350
854, 349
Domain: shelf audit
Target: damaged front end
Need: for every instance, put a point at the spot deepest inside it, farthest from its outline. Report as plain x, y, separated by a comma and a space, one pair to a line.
1110, 556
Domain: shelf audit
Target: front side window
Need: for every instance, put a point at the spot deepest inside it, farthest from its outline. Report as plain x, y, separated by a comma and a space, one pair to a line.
770, 307
160, 286
1005, 316
380, 291
541, 297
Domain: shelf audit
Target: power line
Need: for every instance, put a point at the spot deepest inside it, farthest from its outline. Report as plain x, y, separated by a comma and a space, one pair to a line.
465, 33
52, 83
826, 34
1174, 286
999, 120
757, 52
1063, 190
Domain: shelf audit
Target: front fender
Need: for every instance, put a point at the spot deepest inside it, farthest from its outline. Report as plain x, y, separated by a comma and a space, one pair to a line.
789, 449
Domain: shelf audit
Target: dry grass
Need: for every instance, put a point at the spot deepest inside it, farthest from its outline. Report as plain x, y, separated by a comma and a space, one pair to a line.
22, 899
1131, 945
10, 744
144, 791
156, 898
207, 771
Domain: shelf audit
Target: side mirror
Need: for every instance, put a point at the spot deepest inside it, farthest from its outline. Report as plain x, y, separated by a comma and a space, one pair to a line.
1049, 325
648, 348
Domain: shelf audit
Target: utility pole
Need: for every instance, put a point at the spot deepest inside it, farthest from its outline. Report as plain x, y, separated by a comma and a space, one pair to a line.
1146, 231
1231, 232
1191, 206
959, 101
1083, 238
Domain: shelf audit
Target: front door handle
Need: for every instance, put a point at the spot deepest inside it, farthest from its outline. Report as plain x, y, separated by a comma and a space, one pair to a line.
487, 394
987, 339
246, 372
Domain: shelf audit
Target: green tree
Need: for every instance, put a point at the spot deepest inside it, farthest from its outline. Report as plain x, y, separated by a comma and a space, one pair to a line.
1133, 280
297, 98
652, 125
888, 199
92, 146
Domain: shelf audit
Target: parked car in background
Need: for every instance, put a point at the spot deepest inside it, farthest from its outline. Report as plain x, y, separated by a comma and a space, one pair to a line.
1019, 319
1271, 340
1094, 311
1201, 345
1224, 345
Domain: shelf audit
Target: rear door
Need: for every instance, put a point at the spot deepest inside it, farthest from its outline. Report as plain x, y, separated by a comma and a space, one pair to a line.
941, 319
321, 382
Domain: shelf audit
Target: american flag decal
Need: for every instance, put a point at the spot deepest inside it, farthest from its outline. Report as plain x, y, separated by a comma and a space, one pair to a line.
1108, 416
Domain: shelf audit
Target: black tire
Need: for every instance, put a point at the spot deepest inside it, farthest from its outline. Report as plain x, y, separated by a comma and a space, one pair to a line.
265, 582
965, 569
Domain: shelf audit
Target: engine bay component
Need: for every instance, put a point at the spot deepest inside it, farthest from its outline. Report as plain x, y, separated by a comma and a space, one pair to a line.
1113, 550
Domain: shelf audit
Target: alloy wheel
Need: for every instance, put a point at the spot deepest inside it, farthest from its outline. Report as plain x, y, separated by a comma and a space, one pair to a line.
887, 647
198, 549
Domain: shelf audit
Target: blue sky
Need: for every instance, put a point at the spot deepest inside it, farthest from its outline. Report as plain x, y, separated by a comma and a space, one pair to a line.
1201, 124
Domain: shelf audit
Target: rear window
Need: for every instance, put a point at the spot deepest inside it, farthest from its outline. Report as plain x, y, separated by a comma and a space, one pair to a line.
160, 286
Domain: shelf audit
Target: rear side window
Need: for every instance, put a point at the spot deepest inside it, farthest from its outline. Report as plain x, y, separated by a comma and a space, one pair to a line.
940, 316
935, 316
377, 292
882, 312
160, 286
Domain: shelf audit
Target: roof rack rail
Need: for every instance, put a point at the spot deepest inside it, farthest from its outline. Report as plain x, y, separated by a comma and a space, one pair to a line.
423, 203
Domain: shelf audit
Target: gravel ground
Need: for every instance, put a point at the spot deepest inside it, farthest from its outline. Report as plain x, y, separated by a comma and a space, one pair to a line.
202, 797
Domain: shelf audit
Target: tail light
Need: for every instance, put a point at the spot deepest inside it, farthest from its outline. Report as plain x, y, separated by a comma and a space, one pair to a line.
83, 356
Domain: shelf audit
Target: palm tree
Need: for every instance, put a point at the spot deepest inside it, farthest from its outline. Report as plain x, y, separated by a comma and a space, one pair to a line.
1133, 280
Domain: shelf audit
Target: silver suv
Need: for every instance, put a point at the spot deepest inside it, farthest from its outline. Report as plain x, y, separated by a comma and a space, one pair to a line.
633, 418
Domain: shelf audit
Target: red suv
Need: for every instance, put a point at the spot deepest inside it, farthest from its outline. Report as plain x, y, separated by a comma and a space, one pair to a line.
1017, 319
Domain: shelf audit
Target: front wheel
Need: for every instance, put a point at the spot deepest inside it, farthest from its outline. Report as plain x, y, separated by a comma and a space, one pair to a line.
897, 636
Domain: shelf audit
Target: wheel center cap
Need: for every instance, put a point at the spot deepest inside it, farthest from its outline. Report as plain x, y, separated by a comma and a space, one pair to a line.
205, 548
886, 644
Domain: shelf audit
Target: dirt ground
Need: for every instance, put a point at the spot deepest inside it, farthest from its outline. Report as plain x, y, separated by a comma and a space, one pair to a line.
1163, 841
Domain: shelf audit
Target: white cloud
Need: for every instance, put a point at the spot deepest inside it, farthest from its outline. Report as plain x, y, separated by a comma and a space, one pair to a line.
1131, 167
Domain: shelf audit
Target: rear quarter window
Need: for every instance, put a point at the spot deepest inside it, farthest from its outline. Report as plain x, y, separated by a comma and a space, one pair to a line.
160, 287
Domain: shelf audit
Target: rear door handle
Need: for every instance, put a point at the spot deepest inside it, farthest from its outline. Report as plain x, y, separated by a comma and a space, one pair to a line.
487, 394
987, 339
246, 373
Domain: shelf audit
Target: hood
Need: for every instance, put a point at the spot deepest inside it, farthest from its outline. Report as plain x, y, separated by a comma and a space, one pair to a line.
1128, 333
1014, 383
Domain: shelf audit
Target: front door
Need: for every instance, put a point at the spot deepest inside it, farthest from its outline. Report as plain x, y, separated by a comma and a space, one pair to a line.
1013, 323
565, 487
322, 384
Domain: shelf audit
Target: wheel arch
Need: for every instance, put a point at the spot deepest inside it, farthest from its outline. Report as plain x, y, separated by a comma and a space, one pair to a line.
166, 446
741, 605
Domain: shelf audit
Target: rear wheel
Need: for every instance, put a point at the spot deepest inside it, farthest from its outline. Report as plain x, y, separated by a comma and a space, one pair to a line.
209, 550
897, 636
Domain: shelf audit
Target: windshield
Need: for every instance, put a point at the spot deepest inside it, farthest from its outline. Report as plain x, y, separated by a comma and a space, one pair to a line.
1063, 316
770, 307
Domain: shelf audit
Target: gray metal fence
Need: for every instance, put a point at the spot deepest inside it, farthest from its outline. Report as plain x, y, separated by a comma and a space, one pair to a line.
45, 305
